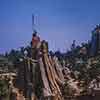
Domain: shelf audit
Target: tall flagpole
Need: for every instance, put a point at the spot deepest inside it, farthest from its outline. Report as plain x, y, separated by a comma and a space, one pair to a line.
33, 24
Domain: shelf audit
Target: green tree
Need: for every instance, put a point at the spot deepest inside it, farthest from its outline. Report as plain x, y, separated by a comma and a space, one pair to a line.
3, 88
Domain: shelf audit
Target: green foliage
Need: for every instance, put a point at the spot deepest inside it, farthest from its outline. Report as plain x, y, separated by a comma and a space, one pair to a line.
94, 71
3, 88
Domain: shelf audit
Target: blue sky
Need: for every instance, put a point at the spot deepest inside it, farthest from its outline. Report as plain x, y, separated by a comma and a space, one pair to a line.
58, 21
